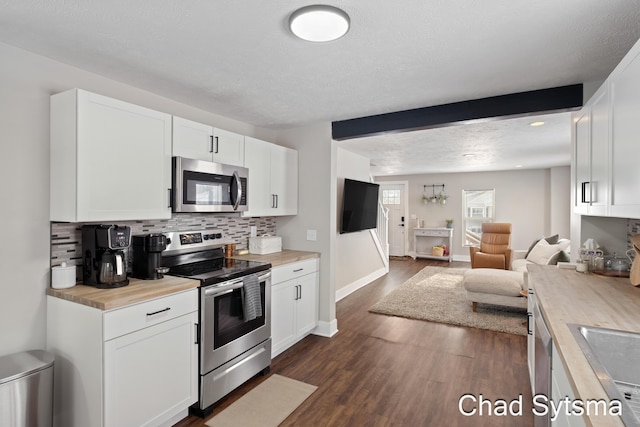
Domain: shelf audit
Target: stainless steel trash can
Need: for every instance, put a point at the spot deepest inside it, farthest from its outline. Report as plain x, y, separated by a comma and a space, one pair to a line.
26, 389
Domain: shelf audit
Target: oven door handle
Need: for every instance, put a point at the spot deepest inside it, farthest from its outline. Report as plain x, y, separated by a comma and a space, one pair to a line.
229, 286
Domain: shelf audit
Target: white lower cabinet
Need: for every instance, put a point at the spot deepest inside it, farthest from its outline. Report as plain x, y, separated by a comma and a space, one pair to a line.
132, 366
294, 303
561, 389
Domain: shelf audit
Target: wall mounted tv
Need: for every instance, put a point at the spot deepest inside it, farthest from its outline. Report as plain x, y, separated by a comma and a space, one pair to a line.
359, 206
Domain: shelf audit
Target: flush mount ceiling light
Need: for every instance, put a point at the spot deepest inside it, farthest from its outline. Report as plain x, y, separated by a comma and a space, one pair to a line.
536, 124
319, 23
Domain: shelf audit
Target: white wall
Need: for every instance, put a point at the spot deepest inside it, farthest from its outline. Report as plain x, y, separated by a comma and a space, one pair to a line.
523, 197
316, 207
26, 83
357, 256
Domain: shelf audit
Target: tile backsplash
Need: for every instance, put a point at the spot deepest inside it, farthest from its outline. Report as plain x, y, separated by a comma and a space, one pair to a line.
66, 237
633, 228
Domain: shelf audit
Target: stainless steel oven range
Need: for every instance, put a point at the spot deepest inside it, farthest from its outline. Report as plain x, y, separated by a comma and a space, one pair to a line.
235, 312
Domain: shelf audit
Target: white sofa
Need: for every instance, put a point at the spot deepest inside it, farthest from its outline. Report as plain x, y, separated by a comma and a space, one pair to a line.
507, 287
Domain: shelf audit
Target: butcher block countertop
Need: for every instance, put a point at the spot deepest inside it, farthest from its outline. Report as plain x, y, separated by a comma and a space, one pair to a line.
280, 258
566, 296
136, 291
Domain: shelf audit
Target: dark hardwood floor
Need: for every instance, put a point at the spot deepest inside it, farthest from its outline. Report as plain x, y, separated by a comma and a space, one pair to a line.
381, 371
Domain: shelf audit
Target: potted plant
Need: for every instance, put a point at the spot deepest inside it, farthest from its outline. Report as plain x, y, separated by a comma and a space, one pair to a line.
449, 223
442, 198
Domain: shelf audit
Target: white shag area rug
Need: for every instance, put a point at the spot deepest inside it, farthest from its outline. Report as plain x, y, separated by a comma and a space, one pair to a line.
436, 294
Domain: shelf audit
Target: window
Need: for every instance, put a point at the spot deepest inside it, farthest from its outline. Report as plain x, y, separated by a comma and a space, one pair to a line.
477, 207
390, 197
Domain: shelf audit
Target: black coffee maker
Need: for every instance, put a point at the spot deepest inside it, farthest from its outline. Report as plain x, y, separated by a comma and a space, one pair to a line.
104, 249
147, 256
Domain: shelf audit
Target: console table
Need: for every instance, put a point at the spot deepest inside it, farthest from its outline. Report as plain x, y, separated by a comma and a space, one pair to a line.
426, 238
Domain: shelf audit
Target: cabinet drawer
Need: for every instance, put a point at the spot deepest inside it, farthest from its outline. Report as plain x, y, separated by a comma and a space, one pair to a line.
293, 270
135, 317
432, 233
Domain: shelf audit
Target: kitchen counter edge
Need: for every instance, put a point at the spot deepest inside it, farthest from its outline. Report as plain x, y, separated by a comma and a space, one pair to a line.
136, 292
277, 259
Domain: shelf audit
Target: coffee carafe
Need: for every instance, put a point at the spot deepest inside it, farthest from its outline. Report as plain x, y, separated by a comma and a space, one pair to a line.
104, 250
147, 256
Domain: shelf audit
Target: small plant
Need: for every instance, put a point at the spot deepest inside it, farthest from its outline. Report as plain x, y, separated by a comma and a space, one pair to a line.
449, 223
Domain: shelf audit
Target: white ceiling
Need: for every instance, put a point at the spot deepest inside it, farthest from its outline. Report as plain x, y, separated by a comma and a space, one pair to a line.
238, 59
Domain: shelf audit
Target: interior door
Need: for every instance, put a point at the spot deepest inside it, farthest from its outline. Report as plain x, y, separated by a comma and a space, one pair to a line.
393, 198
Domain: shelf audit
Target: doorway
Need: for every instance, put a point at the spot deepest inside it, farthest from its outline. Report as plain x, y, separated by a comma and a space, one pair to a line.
394, 198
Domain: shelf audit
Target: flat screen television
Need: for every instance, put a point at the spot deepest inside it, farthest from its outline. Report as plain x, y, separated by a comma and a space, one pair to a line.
359, 206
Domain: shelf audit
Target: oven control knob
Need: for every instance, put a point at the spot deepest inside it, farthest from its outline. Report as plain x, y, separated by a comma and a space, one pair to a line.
212, 236
218, 235
206, 237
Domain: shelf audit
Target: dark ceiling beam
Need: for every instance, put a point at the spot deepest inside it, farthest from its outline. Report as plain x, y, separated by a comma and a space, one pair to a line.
564, 98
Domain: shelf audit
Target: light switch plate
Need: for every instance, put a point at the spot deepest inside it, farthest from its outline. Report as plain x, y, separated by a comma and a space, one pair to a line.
311, 234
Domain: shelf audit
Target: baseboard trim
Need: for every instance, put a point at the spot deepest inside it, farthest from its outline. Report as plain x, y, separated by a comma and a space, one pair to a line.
463, 258
326, 329
364, 281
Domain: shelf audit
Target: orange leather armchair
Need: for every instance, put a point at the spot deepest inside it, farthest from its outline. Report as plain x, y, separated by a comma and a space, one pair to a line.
494, 250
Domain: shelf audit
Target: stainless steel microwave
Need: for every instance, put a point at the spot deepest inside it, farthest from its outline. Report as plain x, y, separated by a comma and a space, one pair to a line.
201, 186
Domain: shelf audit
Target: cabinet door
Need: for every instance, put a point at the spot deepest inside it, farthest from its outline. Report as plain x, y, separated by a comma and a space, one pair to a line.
123, 160
257, 156
582, 161
625, 148
228, 147
192, 140
151, 373
283, 321
284, 180
307, 304
599, 152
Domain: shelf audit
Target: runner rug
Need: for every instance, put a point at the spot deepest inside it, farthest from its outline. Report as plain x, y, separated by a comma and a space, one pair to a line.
436, 294
266, 405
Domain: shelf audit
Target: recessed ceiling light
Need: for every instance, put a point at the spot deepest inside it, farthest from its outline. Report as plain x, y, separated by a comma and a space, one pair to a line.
518, 166
536, 124
319, 23
468, 155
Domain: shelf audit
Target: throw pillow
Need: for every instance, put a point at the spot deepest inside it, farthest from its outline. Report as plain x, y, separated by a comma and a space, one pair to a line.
543, 253
552, 240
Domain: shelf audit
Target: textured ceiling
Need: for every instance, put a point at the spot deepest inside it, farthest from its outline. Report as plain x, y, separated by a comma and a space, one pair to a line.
238, 59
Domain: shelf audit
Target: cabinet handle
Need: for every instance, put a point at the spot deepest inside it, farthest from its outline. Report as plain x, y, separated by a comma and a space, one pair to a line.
197, 327
276, 201
529, 316
217, 145
297, 270
211, 145
273, 201
159, 311
586, 187
170, 198
300, 287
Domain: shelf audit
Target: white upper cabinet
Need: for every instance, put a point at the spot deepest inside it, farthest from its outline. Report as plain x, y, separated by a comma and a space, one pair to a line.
591, 165
273, 178
110, 160
625, 142
203, 142
582, 160
600, 152
607, 147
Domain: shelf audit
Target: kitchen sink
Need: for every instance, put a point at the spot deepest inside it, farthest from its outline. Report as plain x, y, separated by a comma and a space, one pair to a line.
614, 356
